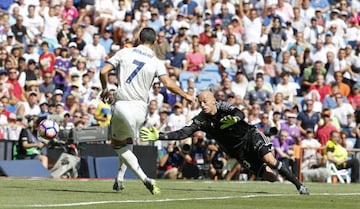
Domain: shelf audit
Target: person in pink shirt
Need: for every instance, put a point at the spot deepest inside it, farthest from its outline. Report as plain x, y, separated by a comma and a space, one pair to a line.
69, 12
320, 86
195, 59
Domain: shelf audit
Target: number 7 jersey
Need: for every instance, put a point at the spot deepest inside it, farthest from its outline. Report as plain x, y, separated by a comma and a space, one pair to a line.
137, 67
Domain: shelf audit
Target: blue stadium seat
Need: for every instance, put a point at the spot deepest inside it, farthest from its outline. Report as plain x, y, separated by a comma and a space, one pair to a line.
213, 77
210, 68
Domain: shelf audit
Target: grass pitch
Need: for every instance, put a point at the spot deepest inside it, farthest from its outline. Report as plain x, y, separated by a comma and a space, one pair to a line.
179, 194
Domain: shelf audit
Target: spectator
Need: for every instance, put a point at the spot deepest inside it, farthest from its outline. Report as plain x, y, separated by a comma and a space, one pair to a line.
161, 46
276, 37
153, 117
156, 95
344, 88
290, 125
62, 67
320, 86
252, 25
308, 118
30, 146
19, 31
252, 61
213, 48
265, 124
231, 48
155, 20
195, 60
240, 83
176, 60
207, 34
47, 59
31, 53
318, 53
177, 118
168, 29
330, 99
338, 155
354, 97
197, 27
283, 151
312, 160
69, 12
170, 163
310, 75
103, 14
313, 32
288, 89
342, 112
106, 41
325, 127
51, 24
258, 94
94, 53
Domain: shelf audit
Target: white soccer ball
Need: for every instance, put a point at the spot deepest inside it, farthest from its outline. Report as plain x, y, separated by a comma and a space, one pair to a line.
48, 129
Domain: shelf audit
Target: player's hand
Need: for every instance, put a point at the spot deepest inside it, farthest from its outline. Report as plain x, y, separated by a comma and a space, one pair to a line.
104, 95
149, 134
190, 99
228, 121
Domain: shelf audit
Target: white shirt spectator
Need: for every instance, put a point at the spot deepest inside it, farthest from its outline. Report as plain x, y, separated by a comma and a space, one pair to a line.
251, 62
216, 50
342, 112
51, 25
252, 30
178, 121
94, 54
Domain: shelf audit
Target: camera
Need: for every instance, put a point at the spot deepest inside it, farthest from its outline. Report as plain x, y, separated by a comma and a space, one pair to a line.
184, 148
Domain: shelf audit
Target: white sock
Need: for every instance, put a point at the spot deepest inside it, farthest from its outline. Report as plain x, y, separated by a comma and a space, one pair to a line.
132, 162
122, 165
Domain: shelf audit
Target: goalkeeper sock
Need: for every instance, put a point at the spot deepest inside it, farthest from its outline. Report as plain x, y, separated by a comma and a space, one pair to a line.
132, 162
285, 172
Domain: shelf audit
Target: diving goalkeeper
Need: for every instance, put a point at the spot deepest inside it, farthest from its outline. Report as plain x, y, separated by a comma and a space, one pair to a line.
236, 137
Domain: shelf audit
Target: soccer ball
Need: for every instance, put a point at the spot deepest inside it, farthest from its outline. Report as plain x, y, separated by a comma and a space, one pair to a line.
48, 129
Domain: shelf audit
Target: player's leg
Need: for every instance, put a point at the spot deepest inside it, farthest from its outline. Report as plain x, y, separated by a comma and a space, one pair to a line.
263, 147
125, 124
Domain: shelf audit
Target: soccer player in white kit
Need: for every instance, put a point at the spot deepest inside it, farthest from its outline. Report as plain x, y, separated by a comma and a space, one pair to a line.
138, 67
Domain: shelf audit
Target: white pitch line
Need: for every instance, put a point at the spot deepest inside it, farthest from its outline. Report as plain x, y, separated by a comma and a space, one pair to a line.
178, 199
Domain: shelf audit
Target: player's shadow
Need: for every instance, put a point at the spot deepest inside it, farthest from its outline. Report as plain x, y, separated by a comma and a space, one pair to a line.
215, 190
79, 191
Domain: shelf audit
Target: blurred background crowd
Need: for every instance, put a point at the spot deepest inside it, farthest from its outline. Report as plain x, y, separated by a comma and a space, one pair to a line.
291, 65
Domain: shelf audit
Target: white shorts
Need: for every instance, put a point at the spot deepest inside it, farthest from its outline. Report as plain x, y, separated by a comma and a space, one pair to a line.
127, 118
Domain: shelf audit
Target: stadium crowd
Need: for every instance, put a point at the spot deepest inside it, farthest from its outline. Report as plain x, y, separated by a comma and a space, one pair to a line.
291, 65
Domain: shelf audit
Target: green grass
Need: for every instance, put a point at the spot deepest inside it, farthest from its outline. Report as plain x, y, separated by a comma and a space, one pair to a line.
179, 194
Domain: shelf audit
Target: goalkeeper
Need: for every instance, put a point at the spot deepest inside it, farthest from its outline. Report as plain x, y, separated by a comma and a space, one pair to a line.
240, 140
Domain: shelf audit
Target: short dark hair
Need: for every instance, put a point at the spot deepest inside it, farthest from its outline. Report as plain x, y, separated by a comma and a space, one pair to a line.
147, 35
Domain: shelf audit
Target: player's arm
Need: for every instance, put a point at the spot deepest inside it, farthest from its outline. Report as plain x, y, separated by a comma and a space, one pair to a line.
104, 74
171, 85
152, 134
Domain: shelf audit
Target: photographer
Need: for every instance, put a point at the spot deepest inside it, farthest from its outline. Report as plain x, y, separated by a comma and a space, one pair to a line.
30, 145
170, 164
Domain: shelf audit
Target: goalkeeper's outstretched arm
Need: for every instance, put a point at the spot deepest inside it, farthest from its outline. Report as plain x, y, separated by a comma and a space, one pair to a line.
180, 134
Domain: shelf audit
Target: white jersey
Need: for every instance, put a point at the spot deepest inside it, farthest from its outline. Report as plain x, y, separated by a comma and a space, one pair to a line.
138, 67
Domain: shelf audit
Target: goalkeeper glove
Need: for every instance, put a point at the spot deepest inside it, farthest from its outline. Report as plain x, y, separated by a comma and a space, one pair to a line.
149, 134
228, 121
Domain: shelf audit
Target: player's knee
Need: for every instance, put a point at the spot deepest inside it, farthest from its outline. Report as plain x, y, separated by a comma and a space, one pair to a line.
269, 175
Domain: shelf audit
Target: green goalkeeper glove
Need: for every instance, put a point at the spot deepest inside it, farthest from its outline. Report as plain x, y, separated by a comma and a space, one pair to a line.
149, 134
228, 121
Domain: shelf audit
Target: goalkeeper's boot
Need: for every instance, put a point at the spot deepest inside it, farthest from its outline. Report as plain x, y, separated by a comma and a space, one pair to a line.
150, 184
303, 190
118, 185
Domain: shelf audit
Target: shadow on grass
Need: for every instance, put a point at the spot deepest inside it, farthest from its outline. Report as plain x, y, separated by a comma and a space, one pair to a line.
214, 190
